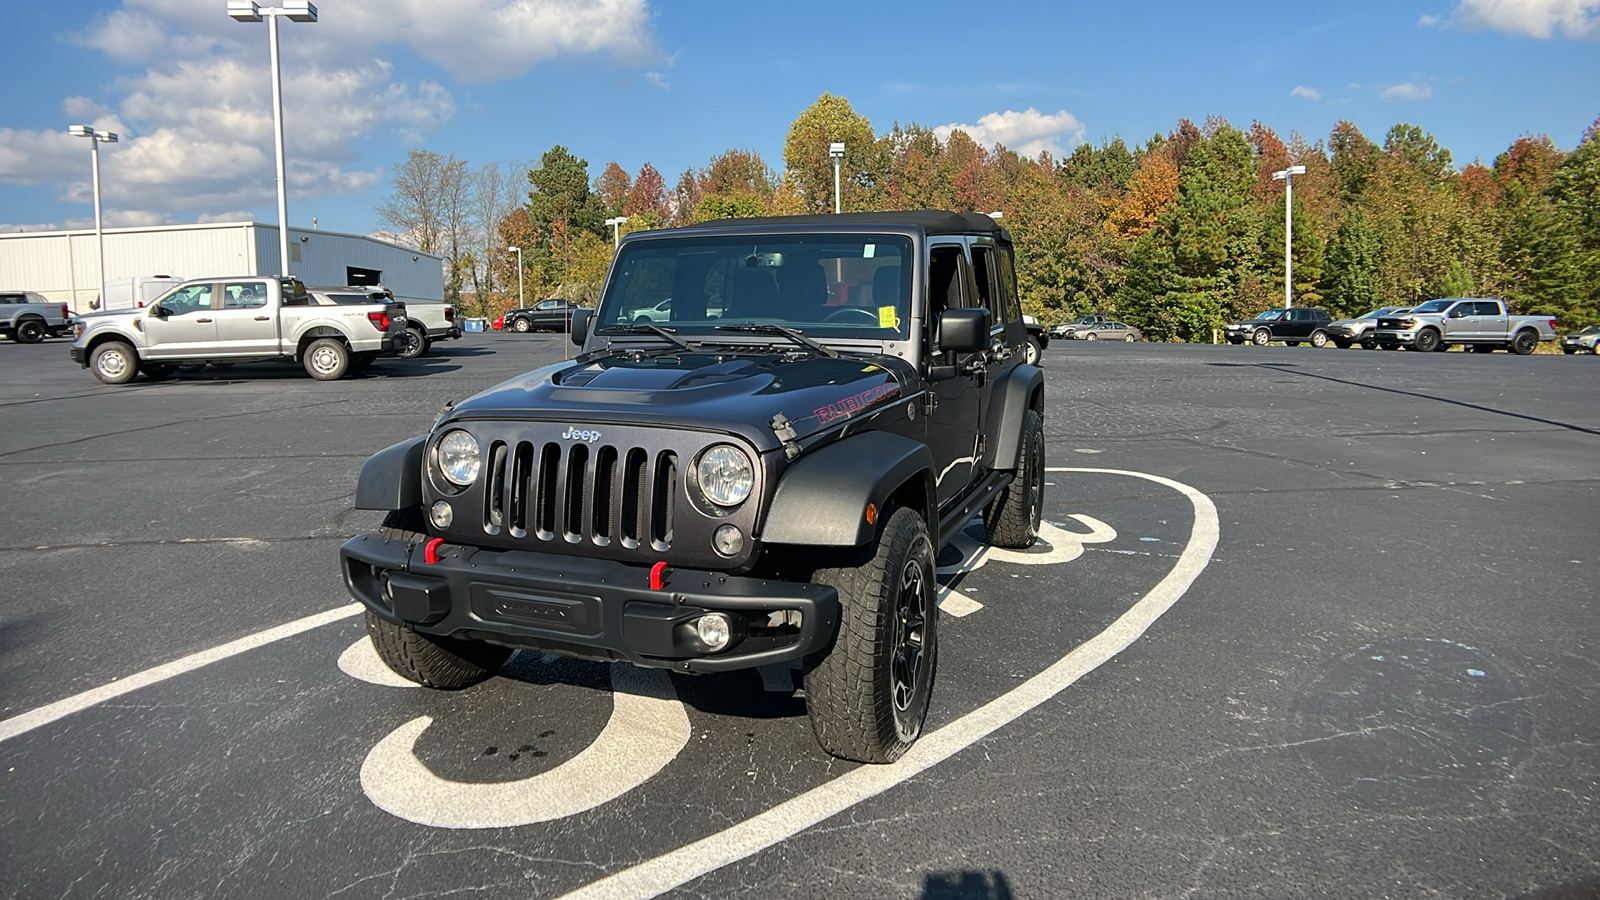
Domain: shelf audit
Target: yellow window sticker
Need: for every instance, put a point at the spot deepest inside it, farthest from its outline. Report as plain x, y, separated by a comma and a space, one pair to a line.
887, 318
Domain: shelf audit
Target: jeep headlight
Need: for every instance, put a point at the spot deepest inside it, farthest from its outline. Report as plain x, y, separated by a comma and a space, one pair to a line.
457, 455
725, 475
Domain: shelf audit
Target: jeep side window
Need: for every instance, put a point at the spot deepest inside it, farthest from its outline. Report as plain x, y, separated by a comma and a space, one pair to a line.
983, 275
947, 280
1008, 286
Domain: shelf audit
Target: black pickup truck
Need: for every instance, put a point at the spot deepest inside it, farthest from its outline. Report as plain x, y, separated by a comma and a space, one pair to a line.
762, 477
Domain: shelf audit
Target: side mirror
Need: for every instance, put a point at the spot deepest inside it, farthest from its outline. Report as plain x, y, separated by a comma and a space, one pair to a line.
158, 310
580, 325
1457, 313
964, 330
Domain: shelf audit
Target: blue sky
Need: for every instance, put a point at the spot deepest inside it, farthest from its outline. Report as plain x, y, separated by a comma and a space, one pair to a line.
676, 83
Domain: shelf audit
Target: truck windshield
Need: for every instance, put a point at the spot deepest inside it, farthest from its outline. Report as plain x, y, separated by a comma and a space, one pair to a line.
841, 285
1432, 306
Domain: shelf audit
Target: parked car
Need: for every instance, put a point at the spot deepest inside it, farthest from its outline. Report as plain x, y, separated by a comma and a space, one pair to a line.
1107, 331
1586, 338
1065, 329
554, 314
249, 318
28, 318
1294, 326
498, 323
1347, 332
766, 485
1483, 325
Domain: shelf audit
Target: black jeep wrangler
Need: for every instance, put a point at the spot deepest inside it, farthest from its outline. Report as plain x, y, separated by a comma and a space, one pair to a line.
763, 477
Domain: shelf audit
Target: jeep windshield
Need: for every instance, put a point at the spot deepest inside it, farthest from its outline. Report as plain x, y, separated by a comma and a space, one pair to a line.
822, 285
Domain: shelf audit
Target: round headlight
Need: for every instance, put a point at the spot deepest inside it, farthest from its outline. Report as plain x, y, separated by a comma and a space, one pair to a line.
725, 475
457, 453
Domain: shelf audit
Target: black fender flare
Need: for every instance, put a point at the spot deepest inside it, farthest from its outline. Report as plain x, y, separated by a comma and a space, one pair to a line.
392, 478
821, 499
1021, 391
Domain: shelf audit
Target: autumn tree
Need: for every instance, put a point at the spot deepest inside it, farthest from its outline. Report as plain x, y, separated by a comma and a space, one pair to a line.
810, 167
647, 200
613, 187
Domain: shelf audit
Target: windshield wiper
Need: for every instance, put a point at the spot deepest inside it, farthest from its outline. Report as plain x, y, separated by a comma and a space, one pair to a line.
792, 334
647, 328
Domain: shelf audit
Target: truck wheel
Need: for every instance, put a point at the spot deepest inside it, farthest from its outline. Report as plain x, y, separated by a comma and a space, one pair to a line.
30, 331
1012, 519
521, 325
1426, 340
114, 363
1369, 344
1031, 353
1319, 339
327, 359
868, 697
413, 344
1524, 343
1261, 337
447, 664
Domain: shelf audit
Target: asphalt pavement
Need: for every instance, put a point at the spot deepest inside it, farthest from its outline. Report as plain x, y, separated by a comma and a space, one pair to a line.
1309, 623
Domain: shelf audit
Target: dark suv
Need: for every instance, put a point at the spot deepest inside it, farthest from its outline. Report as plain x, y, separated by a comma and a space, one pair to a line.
1292, 325
762, 477
554, 314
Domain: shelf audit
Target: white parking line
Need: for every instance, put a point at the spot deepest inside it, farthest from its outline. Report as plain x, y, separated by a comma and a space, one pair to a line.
655, 876
60, 709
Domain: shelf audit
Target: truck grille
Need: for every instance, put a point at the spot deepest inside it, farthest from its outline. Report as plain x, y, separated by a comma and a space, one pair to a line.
581, 493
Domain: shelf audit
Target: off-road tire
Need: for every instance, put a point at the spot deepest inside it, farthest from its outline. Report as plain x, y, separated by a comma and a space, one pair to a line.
521, 326
114, 363
414, 344
446, 664
326, 359
1524, 343
30, 331
867, 697
1012, 519
1426, 341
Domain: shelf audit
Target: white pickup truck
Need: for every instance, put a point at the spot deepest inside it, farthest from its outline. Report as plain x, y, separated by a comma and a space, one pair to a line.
235, 320
1482, 326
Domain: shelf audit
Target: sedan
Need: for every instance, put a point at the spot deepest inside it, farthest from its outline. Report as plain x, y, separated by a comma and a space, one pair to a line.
1587, 338
1107, 331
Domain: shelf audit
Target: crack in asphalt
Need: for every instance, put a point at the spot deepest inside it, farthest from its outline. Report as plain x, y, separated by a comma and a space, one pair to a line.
217, 418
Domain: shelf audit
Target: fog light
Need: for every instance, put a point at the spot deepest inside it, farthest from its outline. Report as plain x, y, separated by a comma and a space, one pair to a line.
714, 630
727, 540
440, 514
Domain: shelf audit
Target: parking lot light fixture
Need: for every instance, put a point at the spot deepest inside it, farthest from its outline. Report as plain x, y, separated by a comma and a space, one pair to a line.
616, 229
96, 138
1287, 177
836, 150
294, 11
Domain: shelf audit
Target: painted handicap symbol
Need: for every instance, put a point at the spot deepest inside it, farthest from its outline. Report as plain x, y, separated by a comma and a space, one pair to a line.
1060, 546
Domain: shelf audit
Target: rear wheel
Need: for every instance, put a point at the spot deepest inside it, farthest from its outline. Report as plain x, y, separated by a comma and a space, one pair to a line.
30, 331
868, 697
1319, 339
1012, 519
327, 359
114, 363
1091, 336
1524, 343
1127, 338
1031, 354
413, 343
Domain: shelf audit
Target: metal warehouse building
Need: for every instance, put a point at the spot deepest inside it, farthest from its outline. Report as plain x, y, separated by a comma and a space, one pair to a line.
65, 265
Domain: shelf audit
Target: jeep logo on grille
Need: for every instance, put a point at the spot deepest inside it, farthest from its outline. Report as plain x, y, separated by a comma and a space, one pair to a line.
578, 434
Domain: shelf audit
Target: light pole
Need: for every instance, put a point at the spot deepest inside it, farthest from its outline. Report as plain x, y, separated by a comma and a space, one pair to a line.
518, 252
836, 150
96, 138
616, 229
294, 11
1287, 177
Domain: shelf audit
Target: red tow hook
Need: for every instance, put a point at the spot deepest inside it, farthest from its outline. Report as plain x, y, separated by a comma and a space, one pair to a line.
430, 553
657, 574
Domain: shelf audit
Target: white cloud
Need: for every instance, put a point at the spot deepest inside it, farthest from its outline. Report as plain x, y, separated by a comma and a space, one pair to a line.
1029, 132
1306, 93
1533, 18
1429, 21
1407, 91
658, 79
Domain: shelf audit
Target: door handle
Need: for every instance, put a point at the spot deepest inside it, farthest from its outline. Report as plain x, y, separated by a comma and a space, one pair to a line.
263, 318
202, 320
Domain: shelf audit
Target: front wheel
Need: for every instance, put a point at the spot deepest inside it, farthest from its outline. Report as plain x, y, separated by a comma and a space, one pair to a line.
1319, 339
1012, 519
522, 326
1524, 343
868, 697
1426, 341
1369, 345
1261, 338
327, 359
114, 363
1031, 354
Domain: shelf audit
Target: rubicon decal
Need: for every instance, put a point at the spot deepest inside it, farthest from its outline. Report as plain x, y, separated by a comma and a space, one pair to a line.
578, 434
849, 406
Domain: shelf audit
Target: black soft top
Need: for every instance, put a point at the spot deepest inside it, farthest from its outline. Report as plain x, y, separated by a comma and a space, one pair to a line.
932, 221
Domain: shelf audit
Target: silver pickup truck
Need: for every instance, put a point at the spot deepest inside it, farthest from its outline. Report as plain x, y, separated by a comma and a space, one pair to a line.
1482, 326
235, 320
28, 318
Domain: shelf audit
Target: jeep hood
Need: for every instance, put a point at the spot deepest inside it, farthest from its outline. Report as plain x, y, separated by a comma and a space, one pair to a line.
723, 392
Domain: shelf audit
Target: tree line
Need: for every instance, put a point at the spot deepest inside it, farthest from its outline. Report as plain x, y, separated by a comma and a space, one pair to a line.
1177, 234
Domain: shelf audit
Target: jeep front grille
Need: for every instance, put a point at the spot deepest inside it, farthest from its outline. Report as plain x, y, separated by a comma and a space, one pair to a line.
578, 493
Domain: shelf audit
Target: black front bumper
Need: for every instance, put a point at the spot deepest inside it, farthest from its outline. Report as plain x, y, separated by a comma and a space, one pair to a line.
586, 608
78, 356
